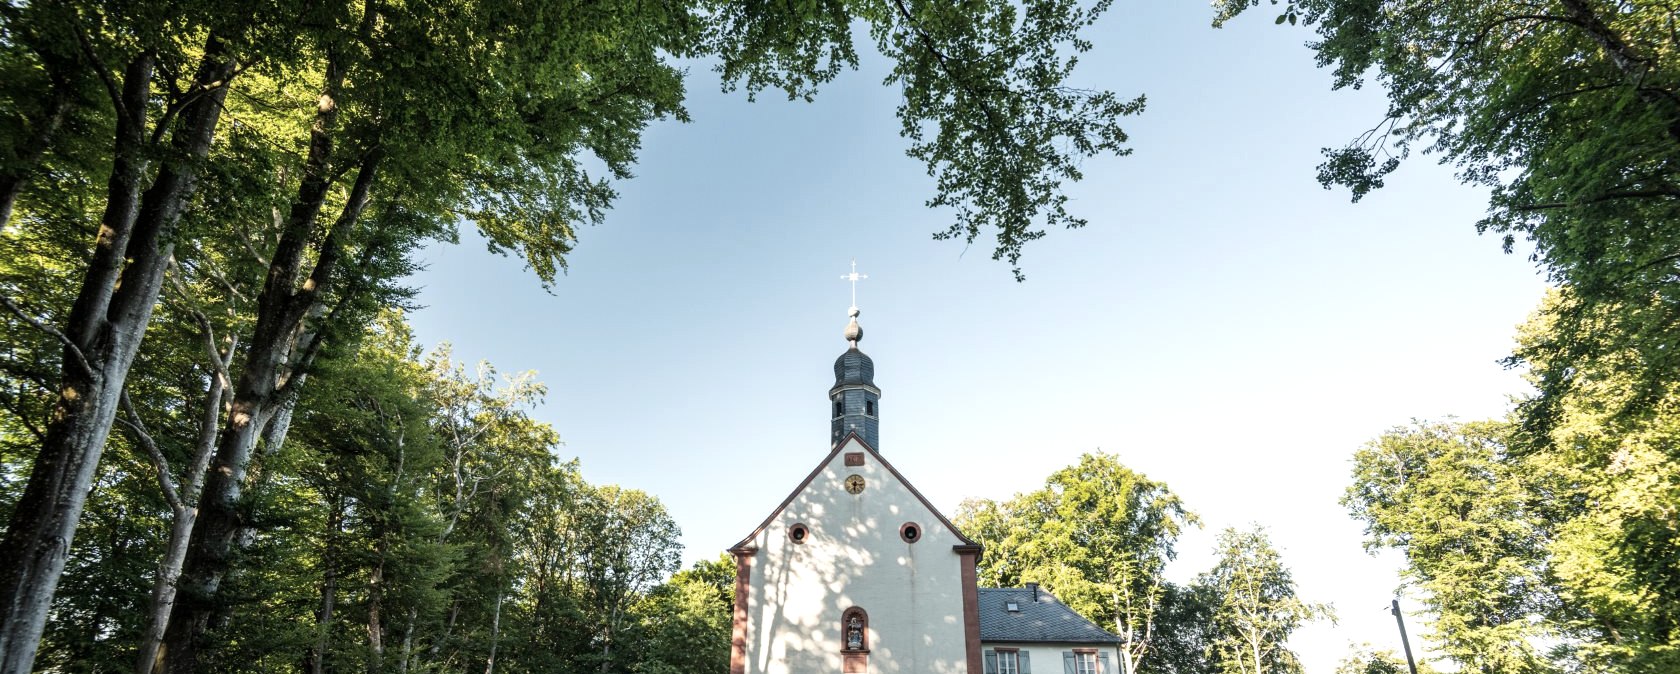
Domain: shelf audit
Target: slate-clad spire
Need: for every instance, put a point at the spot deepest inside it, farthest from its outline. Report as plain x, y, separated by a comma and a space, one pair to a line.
854, 402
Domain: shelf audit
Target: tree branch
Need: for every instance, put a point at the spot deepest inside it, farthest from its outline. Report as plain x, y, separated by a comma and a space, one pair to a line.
17, 411
1608, 196
161, 464
70, 346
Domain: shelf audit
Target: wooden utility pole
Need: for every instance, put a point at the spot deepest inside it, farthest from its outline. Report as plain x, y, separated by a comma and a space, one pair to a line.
1394, 607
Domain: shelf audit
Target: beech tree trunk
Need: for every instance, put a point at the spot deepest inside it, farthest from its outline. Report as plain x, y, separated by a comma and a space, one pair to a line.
1633, 65
495, 634
408, 641
184, 503
329, 588
102, 335
375, 624
46, 128
281, 347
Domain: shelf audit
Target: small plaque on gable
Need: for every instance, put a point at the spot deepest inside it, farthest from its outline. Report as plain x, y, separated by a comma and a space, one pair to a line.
854, 458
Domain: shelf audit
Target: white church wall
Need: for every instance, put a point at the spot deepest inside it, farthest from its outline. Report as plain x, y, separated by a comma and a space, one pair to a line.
854, 555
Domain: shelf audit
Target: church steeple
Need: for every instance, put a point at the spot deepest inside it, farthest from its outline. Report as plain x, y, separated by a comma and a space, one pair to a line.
854, 401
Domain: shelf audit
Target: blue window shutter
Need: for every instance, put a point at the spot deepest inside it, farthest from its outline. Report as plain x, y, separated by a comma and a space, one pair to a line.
1026, 662
991, 662
1102, 663
1067, 662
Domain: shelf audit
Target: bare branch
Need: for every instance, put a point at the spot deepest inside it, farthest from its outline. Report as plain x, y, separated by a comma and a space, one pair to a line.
1608, 196
16, 408
165, 481
76, 351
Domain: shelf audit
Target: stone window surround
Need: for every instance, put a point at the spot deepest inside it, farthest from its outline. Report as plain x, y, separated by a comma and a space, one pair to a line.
904, 529
1008, 660
845, 620
1086, 656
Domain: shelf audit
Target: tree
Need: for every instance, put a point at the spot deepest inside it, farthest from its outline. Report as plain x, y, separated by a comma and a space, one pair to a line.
1367, 660
381, 126
1098, 535
194, 54
1569, 112
685, 623
1539, 554
1605, 482
1454, 502
1256, 607
1183, 631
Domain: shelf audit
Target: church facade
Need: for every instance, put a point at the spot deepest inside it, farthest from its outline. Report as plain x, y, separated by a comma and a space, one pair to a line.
856, 572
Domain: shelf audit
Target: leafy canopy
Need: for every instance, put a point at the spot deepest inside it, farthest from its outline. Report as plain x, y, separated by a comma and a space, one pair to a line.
1568, 112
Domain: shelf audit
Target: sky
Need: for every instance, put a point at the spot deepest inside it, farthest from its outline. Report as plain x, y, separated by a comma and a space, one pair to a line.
1223, 325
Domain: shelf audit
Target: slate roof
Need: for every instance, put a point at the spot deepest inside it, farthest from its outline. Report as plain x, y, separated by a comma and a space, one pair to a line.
1047, 619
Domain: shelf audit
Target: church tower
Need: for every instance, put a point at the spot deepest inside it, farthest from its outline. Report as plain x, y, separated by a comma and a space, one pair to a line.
854, 402
855, 572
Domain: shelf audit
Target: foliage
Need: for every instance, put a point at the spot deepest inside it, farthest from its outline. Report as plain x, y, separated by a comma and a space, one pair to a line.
1183, 631
1569, 112
414, 520
1098, 536
685, 623
1549, 554
1256, 608
277, 166
1367, 660
1450, 497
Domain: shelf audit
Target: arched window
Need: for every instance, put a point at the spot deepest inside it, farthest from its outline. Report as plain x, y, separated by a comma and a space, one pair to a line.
854, 631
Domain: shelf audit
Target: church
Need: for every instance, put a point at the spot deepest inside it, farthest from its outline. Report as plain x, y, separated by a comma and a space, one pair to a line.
856, 572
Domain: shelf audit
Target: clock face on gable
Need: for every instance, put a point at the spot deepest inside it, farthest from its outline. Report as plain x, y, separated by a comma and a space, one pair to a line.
854, 484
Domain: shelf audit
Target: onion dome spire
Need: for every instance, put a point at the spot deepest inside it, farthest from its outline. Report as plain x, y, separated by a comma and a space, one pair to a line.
854, 399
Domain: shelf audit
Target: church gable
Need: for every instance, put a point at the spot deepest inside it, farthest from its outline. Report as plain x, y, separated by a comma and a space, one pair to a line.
856, 572
854, 460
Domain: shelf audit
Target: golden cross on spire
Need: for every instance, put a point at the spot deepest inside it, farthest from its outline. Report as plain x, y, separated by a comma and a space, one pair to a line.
854, 277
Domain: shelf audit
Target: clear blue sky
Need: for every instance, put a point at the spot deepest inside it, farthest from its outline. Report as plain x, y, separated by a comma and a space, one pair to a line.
1224, 324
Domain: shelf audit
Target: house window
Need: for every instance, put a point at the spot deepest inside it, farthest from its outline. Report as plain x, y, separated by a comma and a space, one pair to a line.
838, 410
1009, 662
869, 407
1085, 663
799, 532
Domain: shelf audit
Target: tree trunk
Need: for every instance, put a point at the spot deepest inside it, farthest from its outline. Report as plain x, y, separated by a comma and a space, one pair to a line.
376, 601
280, 350
103, 333
11, 182
186, 515
495, 634
1633, 65
375, 627
408, 641
329, 587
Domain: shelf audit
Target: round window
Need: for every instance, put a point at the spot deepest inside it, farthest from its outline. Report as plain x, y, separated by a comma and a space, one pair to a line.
910, 532
799, 532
